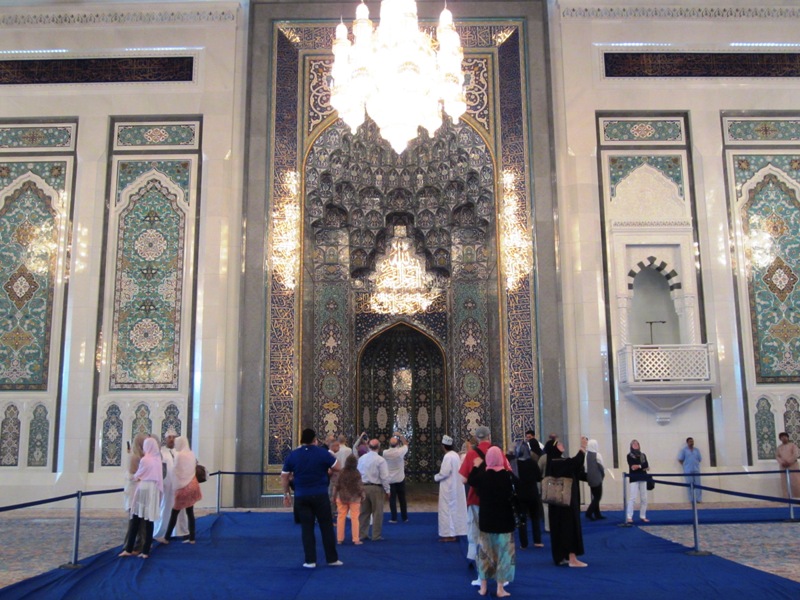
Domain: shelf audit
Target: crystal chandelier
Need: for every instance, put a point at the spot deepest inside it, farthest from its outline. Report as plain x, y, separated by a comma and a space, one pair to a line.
286, 233
396, 74
401, 283
515, 242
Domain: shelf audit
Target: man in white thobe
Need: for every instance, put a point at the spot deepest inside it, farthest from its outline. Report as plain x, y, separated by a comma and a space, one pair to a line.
168, 497
452, 498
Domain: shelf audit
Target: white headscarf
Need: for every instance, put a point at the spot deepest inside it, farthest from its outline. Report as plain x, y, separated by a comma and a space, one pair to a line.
150, 465
593, 446
185, 463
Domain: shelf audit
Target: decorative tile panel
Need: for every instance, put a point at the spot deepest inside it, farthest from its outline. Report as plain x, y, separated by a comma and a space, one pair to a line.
171, 420
111, 439
141, 69
701, 64
37, 138
142, 423
471, 358
769, 211
753, 131
38, 438
9, 437
791, 419
179, 172
148, 294
634, 131
520, 318
163, 135
29, 248
765, 430
621, 166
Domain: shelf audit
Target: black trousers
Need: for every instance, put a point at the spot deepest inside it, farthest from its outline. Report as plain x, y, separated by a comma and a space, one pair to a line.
173, 520
593, 512
309, 509
534, 516
133, 527
397, 491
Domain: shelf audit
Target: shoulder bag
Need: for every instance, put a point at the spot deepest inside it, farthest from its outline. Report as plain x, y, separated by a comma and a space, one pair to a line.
557, 490
201, 473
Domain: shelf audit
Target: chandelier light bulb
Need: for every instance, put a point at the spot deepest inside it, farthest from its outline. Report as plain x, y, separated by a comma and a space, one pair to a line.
395, 73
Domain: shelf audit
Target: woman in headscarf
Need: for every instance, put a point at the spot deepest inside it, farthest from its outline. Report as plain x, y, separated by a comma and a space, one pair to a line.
638, 466
595, 472
528, 492
566, 536
146, 501
496, 557
187, 488
134, 458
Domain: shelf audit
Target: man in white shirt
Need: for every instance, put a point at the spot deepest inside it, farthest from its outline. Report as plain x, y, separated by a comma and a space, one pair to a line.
375, 477
168, 497
343, 452
395, 459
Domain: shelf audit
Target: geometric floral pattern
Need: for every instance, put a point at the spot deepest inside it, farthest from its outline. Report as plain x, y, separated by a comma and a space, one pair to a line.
36, 137
643, 130
38, 437
791, 419
772, 210
28, 252
765, 430
171, 420
142, 423
9, 437
761, 130
148, 291
111, 443
178, 172
162, 134
671, 166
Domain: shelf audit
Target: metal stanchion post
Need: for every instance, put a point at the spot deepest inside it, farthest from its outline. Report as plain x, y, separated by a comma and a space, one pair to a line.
625, 501
76, 535
695, 523
219, 488
789, 493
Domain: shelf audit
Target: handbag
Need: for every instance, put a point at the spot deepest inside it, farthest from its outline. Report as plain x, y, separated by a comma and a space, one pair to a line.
517, 507
557, 490
651, 483
201, 473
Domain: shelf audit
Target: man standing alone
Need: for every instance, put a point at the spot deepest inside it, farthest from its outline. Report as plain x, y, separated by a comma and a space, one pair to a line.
375, 477
395, 460
310, 465
690, 458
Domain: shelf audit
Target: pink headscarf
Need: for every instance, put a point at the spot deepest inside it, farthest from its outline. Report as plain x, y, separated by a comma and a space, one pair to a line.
495, 461
150, 465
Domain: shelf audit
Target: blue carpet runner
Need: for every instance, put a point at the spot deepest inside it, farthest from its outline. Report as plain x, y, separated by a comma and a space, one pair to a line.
259, 556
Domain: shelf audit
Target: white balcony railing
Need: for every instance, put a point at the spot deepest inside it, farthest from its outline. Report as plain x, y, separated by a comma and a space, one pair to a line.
666, 377
674, 362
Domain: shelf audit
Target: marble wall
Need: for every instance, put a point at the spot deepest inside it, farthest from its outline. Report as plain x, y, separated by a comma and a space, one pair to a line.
119, 210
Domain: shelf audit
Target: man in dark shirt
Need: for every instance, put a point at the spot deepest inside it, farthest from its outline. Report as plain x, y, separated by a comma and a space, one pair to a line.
310, 465
533, 443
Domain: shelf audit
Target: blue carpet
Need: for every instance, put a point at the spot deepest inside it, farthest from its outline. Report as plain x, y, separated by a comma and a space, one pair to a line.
259, 556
